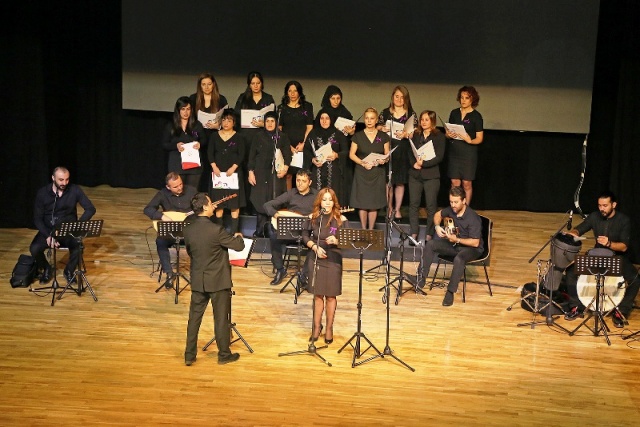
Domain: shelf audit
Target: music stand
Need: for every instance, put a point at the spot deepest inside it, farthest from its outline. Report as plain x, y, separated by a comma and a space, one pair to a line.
402, 276
598, 266
233, 328
174, 229
79, 230
291, 227
361, 240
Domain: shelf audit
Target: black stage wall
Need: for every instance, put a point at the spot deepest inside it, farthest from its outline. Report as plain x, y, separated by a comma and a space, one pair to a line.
62, 77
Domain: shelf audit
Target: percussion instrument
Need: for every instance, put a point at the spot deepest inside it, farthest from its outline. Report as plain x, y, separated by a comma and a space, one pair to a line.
614, 289
564, 249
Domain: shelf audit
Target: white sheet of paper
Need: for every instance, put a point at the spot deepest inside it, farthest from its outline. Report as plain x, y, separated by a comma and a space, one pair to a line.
297, 160
395, 126
279, 160
190, 154
322, 152
342, 123
374, 157
246, 116
459, 129
425, 153
224, 182
205, 118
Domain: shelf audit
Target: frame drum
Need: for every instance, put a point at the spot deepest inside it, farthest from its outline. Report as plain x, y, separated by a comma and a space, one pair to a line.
564, 250
586, 288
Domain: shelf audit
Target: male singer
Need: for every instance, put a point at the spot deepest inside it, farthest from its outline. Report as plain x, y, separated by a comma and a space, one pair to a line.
57, 203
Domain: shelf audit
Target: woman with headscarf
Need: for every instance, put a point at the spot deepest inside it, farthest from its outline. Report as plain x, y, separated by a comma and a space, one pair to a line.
327, 171
267, 183
332, 104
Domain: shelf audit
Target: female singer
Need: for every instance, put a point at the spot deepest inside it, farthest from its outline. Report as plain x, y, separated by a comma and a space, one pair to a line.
463, 152
183, 129
328, 171
368, 190
320, 235
424, 174
332, 104
267, 184
226, 151
296, 120
399, 111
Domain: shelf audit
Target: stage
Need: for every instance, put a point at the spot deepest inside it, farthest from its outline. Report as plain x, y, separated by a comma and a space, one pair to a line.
120, 360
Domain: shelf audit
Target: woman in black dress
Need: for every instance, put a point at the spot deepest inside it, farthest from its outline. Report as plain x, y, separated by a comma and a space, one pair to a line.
463, 151
328, 171
399, 111
296, 120
320, 235
368, 190
267, 184
182, 130
332, 104
424, 175
226, 151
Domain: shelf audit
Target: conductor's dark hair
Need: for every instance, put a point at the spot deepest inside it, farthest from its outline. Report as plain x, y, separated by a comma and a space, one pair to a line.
608, 194
198, 202
457, 192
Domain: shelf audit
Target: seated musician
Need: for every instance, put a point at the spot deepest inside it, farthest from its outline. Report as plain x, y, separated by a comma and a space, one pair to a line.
175, 197
57, 203
612, 230
297, 200
463, 240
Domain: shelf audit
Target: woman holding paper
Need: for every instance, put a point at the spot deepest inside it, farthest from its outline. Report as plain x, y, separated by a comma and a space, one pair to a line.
208, 99
325, 148
397, 115
268, 184
226, 152
368, 189
296, 120
463, 152
424, 175
184, 133
332, 104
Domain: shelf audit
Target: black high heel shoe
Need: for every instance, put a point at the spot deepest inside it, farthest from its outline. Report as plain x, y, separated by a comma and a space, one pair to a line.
314, 339
326, 340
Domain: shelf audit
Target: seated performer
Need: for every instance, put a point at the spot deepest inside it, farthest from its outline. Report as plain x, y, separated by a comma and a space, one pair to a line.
54, 205
612, 230
175, 197
207, 245
463, 241
298, 200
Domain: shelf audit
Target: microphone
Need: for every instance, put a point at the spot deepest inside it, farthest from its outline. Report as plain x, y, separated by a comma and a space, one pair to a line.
570, 220
621, 284
323, 211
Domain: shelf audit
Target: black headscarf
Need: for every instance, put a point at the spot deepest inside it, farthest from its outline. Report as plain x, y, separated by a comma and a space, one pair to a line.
321, 132
334, 113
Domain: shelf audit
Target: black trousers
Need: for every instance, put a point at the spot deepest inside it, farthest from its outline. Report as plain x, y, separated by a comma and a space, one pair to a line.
39, 245
430, 187
461, 254
221, 304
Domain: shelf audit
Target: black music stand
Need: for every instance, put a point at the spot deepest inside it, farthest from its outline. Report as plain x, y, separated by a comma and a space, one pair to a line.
402, 276
232, 325
79, 230
598, 266
174, 230
291, 227
361, 240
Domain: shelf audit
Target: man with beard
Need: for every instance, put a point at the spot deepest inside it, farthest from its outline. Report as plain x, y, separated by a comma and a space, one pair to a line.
57, 203
612, 230
463, 240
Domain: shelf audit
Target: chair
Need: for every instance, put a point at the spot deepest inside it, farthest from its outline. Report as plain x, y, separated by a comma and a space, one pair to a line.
487, 232
291, 254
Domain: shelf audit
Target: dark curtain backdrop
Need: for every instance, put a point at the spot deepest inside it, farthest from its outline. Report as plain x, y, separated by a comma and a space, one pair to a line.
61, 75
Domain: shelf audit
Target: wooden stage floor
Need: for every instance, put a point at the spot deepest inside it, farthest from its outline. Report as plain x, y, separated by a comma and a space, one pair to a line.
120, 360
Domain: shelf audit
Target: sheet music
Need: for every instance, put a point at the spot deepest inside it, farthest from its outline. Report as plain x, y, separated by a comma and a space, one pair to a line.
458, 129
240, 258
373, 158
204, 117
190, 156
395, 126
224, 182
246, 116
342, 123
425, 153
322, 152
279, 160
297, 160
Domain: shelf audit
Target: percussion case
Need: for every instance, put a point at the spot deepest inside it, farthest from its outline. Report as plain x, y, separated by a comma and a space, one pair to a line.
24, 272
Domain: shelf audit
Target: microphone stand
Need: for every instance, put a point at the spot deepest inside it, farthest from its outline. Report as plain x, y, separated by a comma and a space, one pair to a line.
312, 349
54, 284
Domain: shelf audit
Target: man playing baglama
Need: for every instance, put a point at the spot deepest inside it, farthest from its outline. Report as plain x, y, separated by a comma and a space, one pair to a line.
612, 230
207, 245
299, 200
463, 241
175, 197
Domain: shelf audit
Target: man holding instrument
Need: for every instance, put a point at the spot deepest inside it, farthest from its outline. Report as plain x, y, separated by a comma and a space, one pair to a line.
57, 203
462, 239
612, 230
298, 201
174, 198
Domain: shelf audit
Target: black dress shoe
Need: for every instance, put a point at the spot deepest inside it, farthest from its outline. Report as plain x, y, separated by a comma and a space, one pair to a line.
258, 234
231, 358
278, 277
45, 277
190, 362
618, 319
314, 339
328, 340
572, 314
70, 277
168, 284
448, 299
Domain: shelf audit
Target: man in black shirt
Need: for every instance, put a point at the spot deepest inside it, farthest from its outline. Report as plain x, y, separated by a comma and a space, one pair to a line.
299, 200
463, 241
612, 230
57, 203
174, 198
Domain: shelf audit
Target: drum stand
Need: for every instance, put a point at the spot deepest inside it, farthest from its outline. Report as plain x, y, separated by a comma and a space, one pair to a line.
173, 229
292, 227
80, 230
402, 276
361, 240
233, 328
598, 266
